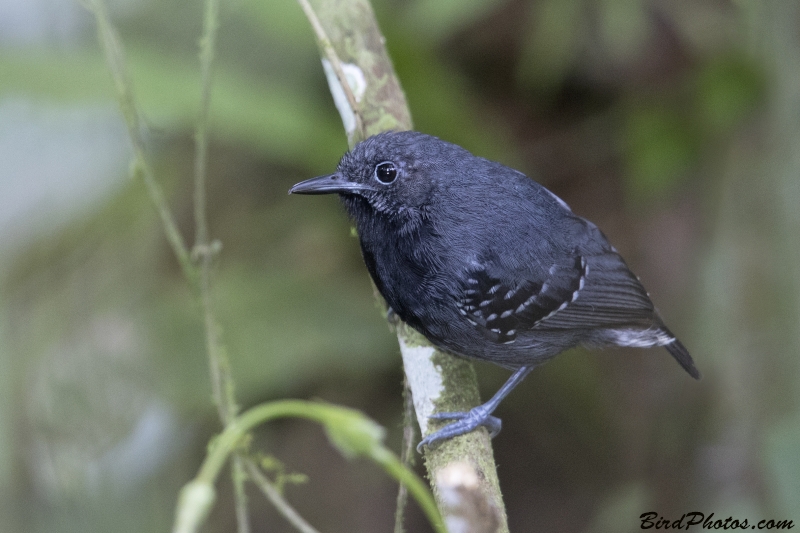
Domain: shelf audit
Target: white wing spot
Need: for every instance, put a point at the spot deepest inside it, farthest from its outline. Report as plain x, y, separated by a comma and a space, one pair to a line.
560, 308
582, 280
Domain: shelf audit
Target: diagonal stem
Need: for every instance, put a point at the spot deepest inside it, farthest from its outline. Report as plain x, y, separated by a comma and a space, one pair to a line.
272, 494
115, 56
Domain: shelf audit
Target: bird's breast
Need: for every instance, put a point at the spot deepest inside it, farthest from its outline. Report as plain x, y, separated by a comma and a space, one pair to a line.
408, 272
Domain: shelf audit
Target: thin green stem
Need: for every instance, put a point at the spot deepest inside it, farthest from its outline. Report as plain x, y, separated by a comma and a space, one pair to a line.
222, 384
199, 282
221, 380
227, 441
416, 487
115, 56
406, 454
277, 500
207, 49
239, 477
349, 430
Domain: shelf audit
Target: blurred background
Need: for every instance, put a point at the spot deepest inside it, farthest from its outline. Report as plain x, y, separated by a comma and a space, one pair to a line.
672, 124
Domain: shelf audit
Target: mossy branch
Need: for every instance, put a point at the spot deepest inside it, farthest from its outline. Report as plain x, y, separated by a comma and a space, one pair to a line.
349, 38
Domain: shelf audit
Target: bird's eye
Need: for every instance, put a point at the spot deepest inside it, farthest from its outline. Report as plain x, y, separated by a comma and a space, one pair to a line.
386, 172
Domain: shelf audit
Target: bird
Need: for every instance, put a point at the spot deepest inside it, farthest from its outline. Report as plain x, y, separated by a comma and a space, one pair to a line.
486, 263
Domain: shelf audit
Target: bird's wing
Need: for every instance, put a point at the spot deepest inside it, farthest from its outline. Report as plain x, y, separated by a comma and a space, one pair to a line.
579, 291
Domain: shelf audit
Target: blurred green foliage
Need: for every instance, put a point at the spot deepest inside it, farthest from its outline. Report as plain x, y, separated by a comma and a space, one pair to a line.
667, 122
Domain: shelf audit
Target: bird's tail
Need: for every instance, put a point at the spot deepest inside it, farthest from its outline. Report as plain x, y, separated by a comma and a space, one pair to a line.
681, 354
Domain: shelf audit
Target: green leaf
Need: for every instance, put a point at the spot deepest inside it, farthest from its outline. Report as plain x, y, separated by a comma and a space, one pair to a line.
353, 434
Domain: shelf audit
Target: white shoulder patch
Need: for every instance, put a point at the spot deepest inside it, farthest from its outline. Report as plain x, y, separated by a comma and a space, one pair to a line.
561, 202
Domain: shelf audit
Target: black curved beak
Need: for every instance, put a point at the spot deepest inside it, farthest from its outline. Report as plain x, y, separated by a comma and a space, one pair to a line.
332, 183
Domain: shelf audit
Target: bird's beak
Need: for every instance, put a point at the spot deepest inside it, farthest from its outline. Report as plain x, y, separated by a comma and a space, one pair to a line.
332, 183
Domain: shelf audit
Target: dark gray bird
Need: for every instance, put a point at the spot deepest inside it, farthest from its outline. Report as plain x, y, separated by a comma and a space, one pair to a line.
487, 263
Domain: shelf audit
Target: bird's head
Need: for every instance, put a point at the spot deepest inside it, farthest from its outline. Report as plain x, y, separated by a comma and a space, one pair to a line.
393, 174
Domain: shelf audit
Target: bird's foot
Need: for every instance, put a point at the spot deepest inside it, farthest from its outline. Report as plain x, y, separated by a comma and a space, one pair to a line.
464, 423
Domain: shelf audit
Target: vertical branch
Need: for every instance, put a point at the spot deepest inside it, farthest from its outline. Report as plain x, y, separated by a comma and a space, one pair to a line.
219, 365
203, 251
462, 470
207, 48
222, 382
239, 477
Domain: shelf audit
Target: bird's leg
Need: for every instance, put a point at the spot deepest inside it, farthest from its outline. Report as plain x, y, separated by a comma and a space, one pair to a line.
477, 416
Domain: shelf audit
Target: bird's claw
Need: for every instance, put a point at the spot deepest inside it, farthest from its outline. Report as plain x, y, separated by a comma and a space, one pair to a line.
464, 423
448, 416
